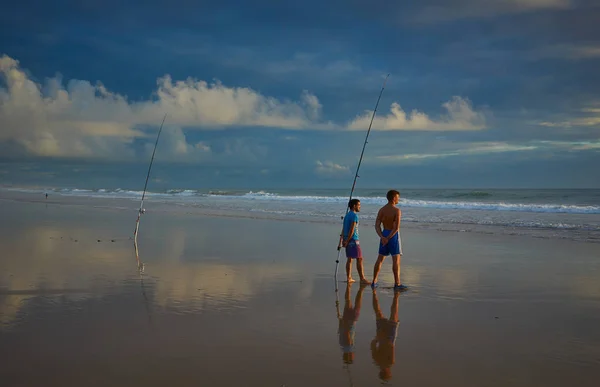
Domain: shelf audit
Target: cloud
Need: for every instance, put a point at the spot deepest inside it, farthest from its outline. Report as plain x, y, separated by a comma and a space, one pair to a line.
573, 145
175, 147
196, 103
477, 149
588, 117
486, 148
84, 120
433, 11
328, 168
570, 51
460, 116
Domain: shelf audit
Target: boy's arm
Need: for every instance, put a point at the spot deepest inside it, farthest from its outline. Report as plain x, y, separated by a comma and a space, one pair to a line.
350, 233
378, 224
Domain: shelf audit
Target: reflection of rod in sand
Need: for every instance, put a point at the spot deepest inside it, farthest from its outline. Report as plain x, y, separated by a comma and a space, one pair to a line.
337, 261
140, 266
141, 211
339, 316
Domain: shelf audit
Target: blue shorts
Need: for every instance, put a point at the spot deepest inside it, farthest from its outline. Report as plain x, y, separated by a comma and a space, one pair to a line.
393, 247
353, 249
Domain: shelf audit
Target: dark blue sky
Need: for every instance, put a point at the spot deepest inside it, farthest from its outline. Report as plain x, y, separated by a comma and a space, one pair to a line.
497, 93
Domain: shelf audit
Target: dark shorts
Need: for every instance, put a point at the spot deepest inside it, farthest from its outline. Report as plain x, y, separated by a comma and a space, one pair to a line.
393, 247
353, 249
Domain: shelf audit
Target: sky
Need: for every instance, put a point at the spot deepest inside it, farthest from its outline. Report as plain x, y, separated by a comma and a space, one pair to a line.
264, 93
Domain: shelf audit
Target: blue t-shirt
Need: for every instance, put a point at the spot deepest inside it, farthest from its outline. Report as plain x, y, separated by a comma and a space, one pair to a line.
351, 217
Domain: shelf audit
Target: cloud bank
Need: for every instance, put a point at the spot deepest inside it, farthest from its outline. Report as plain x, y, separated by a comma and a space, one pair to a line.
80, 119
460, 116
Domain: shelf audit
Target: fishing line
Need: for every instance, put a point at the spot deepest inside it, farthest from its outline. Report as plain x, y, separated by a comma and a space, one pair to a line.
337, 261
142, 211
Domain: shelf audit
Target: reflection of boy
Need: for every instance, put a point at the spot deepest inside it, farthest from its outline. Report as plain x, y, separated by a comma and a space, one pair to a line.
383, 345
347, 322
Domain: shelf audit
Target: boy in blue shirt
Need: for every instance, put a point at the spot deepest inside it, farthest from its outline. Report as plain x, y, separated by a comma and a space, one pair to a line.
350, 242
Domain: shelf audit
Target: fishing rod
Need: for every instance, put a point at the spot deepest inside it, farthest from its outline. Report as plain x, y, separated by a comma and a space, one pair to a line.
337, 261
142, 211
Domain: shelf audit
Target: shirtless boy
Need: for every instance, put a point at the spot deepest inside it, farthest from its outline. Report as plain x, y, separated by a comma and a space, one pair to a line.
389, 244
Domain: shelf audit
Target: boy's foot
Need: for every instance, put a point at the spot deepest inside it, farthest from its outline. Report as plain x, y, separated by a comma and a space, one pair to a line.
364, 281
400, 287
374, 285
350, 280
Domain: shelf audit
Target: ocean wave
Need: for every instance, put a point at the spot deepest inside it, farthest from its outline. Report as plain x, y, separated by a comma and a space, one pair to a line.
473, 194
265, 196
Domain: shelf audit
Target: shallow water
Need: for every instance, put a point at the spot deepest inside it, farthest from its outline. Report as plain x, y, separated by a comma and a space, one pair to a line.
233, 301
564, 214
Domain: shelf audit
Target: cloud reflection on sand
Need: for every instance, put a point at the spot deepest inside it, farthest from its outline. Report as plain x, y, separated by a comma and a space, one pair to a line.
39, 263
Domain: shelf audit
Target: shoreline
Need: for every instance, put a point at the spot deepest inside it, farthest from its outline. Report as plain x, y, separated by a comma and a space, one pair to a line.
199, 209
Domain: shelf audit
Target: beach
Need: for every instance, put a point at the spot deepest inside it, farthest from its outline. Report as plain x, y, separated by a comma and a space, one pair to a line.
230, 297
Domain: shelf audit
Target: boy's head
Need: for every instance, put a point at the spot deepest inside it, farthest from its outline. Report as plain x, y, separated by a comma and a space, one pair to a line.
393, 196
354, 205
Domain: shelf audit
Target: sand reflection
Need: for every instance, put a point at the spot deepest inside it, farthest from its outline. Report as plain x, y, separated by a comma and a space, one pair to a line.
69, 264
383, 345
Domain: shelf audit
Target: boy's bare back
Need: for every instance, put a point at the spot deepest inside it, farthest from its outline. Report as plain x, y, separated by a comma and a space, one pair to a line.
389, 215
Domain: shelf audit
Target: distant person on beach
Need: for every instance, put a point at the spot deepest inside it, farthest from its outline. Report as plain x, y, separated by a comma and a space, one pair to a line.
389, 243
350, 241
347, 322
383, 345
46, 195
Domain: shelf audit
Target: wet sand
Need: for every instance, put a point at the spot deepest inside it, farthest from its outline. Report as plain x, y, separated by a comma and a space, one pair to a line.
251, 302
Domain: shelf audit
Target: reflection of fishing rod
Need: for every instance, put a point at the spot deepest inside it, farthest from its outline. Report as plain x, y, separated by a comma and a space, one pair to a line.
142, 211
339, 315
141, 266
337, 261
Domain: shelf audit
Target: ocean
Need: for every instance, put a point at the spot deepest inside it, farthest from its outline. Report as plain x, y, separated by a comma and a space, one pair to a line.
544, 213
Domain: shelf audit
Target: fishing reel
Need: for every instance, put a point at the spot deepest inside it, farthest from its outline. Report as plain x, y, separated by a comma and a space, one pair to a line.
142, 210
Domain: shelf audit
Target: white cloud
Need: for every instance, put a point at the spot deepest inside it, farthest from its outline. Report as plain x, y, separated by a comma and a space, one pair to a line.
202, 146
460, 116
572, 145
589, 116
82, 119
328, 168
443, 10
483, 148
175, 147
475, 149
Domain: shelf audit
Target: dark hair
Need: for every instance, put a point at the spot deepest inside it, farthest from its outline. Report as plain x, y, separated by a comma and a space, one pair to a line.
391, 193
353, 202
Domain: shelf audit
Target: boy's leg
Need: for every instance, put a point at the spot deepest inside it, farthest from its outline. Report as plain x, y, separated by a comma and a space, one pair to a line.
377, 267
361, 271
396, 269
349, 270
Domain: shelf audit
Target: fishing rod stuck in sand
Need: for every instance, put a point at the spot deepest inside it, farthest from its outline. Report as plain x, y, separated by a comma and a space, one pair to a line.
142, 210
337, 261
